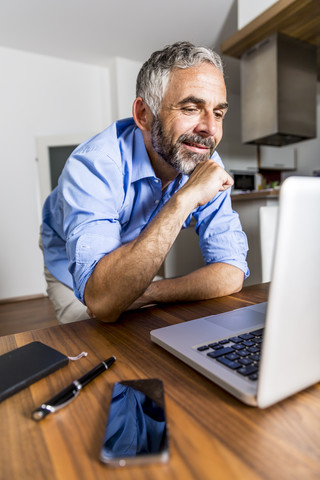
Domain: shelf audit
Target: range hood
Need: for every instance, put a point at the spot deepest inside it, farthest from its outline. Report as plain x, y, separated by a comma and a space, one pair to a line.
279, 91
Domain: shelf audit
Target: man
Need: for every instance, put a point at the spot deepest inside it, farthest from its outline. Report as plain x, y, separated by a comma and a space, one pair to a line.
125, 194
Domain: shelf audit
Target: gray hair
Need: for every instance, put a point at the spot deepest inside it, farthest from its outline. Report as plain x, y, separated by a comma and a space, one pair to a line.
153, 77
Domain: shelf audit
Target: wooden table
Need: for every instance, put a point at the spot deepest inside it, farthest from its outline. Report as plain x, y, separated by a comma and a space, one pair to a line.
212, 435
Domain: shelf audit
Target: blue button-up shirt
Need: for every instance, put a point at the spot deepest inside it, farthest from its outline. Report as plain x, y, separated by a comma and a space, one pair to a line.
107, 193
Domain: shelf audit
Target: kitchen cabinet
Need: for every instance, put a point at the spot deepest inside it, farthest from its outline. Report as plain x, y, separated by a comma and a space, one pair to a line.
296, 18
278, 158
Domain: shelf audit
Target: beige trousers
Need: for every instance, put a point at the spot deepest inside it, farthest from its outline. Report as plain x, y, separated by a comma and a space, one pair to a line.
67, 307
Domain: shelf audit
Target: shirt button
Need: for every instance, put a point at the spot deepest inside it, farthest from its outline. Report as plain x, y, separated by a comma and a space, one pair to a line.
156, 202
156, 180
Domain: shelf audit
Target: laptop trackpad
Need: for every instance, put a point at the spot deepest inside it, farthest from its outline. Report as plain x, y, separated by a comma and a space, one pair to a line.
241, 319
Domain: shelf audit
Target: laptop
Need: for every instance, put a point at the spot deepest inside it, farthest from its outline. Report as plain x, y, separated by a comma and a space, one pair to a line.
264, 353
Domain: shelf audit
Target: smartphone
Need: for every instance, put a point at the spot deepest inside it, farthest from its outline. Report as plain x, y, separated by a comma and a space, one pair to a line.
136, 431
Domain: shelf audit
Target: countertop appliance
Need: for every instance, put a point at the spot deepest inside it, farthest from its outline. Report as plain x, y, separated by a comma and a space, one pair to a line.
245, 180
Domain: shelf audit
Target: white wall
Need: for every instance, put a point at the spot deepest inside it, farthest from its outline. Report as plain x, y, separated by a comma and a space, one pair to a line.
45, 96
38, 96
123, 77
250, 9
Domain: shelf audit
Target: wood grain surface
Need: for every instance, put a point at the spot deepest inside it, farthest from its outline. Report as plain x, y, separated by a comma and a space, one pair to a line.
212, 435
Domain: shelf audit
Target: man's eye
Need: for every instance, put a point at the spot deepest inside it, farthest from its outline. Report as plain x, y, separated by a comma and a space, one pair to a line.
189, 109
219, 115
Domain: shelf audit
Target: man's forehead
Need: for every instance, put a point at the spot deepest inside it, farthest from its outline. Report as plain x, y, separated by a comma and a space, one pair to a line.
197, 84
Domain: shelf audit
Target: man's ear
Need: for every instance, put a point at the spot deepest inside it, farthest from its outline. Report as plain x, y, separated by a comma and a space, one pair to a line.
142, 114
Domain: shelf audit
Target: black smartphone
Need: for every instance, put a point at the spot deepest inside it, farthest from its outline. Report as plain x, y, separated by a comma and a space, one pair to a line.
136, 431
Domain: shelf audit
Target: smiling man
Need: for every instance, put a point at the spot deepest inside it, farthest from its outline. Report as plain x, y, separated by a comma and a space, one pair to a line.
125, 194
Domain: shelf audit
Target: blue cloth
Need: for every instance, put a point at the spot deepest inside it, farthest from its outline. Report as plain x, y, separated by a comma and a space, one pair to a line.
107, 193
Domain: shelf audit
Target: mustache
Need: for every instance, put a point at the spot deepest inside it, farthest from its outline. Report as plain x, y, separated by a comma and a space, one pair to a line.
205, 142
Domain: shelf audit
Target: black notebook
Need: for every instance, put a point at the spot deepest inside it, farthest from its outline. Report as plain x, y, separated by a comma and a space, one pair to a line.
25, 365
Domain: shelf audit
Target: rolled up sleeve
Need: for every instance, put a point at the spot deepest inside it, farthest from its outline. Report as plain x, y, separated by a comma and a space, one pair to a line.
85, 251
91, 215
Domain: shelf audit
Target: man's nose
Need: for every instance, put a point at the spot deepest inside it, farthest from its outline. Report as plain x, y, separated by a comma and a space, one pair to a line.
207, 125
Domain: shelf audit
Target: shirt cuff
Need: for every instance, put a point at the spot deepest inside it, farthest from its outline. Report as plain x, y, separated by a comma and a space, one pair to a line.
226, 247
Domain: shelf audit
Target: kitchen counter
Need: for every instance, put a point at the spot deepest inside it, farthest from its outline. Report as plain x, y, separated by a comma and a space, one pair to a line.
255, 195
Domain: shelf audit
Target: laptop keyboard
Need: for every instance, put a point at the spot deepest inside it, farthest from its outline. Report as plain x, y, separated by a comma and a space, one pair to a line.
240, 353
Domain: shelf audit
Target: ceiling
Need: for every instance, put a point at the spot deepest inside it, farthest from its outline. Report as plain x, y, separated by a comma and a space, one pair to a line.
91, 31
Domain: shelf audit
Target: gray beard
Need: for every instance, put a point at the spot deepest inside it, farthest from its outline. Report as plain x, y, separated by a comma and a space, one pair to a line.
183, 161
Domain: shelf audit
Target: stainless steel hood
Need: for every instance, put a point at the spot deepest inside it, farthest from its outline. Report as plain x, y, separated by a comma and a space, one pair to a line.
279, 91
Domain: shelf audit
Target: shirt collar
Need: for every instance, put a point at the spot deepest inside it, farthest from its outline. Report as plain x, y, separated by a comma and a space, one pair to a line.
142, 167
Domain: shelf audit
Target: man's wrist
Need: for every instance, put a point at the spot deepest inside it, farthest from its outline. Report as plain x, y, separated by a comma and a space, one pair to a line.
185, 201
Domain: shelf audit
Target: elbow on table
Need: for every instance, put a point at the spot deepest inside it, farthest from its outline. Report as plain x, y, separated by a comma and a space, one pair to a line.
104, 315
237, 287
101, 308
